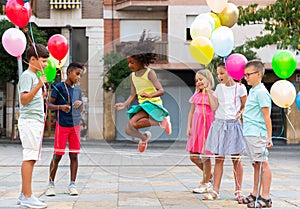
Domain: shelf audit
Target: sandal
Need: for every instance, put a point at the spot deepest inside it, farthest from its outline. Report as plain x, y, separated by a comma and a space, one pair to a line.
260, 203
250, 198
213, 195
142, 146
238, 195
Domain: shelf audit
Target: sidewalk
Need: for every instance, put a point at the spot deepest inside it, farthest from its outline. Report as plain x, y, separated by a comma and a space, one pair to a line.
114, 175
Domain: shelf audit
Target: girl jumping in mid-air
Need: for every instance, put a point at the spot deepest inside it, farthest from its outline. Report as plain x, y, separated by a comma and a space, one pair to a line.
225, 136
200, 118
147, 89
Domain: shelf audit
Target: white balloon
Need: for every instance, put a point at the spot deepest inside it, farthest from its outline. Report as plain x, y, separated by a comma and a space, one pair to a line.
217, 5
207, 17
200, 28
283, 93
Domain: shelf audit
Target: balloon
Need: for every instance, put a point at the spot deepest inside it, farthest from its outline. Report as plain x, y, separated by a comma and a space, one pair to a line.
50, 71
56, 62
14, 41
284, 63
235, 64
283, 93
200, 27
216, 20
222, 41
298, 101
202, 50
229, 15
208, 18
58, 46
18, 12
217, 5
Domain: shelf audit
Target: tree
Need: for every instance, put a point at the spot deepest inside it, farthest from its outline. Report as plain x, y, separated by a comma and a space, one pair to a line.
9, 64
280, 21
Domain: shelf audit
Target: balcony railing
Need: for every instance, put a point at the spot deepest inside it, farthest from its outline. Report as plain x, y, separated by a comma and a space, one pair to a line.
161, 49
65, 4
142, 5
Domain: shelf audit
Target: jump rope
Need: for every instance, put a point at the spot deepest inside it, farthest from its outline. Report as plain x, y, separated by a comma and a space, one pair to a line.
238, 158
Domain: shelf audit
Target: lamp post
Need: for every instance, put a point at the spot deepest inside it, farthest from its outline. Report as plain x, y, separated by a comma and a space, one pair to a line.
70, 42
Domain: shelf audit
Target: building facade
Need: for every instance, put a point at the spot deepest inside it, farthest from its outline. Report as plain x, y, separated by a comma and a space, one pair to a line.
125, 20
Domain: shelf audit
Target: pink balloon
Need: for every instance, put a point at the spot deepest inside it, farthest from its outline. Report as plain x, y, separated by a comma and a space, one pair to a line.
235, 64
14, 42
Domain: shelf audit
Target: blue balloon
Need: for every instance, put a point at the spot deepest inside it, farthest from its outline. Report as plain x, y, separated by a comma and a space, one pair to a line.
222, 41
25, 1
298, 100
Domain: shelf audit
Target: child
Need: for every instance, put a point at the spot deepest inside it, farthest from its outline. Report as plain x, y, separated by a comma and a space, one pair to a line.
225, 136
200, 119
66, 98
31, 120
257, 131
146, 87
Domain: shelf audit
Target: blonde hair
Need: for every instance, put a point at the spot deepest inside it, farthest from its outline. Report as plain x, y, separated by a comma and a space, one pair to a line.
208, 75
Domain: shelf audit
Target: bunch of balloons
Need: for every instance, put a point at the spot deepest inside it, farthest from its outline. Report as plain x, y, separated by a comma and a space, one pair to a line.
211, 33
14, 40
283, 92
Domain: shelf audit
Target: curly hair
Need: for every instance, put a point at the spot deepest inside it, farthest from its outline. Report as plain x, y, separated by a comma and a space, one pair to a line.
143, 50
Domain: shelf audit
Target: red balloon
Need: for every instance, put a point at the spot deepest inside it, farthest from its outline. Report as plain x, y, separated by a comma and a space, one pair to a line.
18, 12
58, 46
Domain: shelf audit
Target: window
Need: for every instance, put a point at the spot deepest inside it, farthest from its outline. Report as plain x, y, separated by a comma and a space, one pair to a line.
189, 20
131, 30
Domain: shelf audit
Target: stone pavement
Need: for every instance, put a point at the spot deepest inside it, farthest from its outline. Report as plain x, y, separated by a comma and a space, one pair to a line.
114, 175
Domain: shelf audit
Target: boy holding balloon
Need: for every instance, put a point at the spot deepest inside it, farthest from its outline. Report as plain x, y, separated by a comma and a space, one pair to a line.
66, 99
31, 120
257, 131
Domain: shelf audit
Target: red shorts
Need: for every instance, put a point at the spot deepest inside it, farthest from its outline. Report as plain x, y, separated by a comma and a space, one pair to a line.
64, 135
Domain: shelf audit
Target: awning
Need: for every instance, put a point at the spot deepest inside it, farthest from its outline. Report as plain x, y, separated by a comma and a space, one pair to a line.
65, 4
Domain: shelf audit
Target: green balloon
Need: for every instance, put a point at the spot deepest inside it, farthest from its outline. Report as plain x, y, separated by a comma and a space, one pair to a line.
39, 73
50, 71
284, 64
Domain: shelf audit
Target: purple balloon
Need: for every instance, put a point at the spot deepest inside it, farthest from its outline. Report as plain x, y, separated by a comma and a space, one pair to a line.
235, 64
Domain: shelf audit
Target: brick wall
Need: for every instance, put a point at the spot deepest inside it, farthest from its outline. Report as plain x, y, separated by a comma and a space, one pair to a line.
112, 32
92, 9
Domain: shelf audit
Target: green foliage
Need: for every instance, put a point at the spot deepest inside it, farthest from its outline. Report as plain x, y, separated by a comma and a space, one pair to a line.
9, 64
280, 21
116, 70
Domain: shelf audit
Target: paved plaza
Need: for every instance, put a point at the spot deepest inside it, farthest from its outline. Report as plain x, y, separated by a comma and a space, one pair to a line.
113, 175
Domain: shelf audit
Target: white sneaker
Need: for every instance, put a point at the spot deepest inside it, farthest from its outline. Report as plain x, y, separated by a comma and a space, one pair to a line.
20, 198
72, 190
50, 190
32, 202
203, 188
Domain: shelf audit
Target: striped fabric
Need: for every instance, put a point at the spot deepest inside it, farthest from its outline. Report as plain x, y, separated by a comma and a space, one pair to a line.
225, 137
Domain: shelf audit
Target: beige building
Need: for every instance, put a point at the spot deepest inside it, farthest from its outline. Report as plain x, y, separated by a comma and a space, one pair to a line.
94, 28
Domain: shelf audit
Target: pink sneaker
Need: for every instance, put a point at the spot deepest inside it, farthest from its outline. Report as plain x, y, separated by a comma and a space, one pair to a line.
142, 146
166, 125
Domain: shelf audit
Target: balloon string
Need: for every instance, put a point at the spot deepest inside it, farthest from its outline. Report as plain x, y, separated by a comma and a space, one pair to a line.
59, 93
290, 122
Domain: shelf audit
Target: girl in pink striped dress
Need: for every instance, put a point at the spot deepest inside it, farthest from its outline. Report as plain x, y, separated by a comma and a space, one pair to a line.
200, 119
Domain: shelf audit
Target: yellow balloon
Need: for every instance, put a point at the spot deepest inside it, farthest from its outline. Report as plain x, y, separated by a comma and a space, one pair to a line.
57, 63
229, 15
216, 19
202, 50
